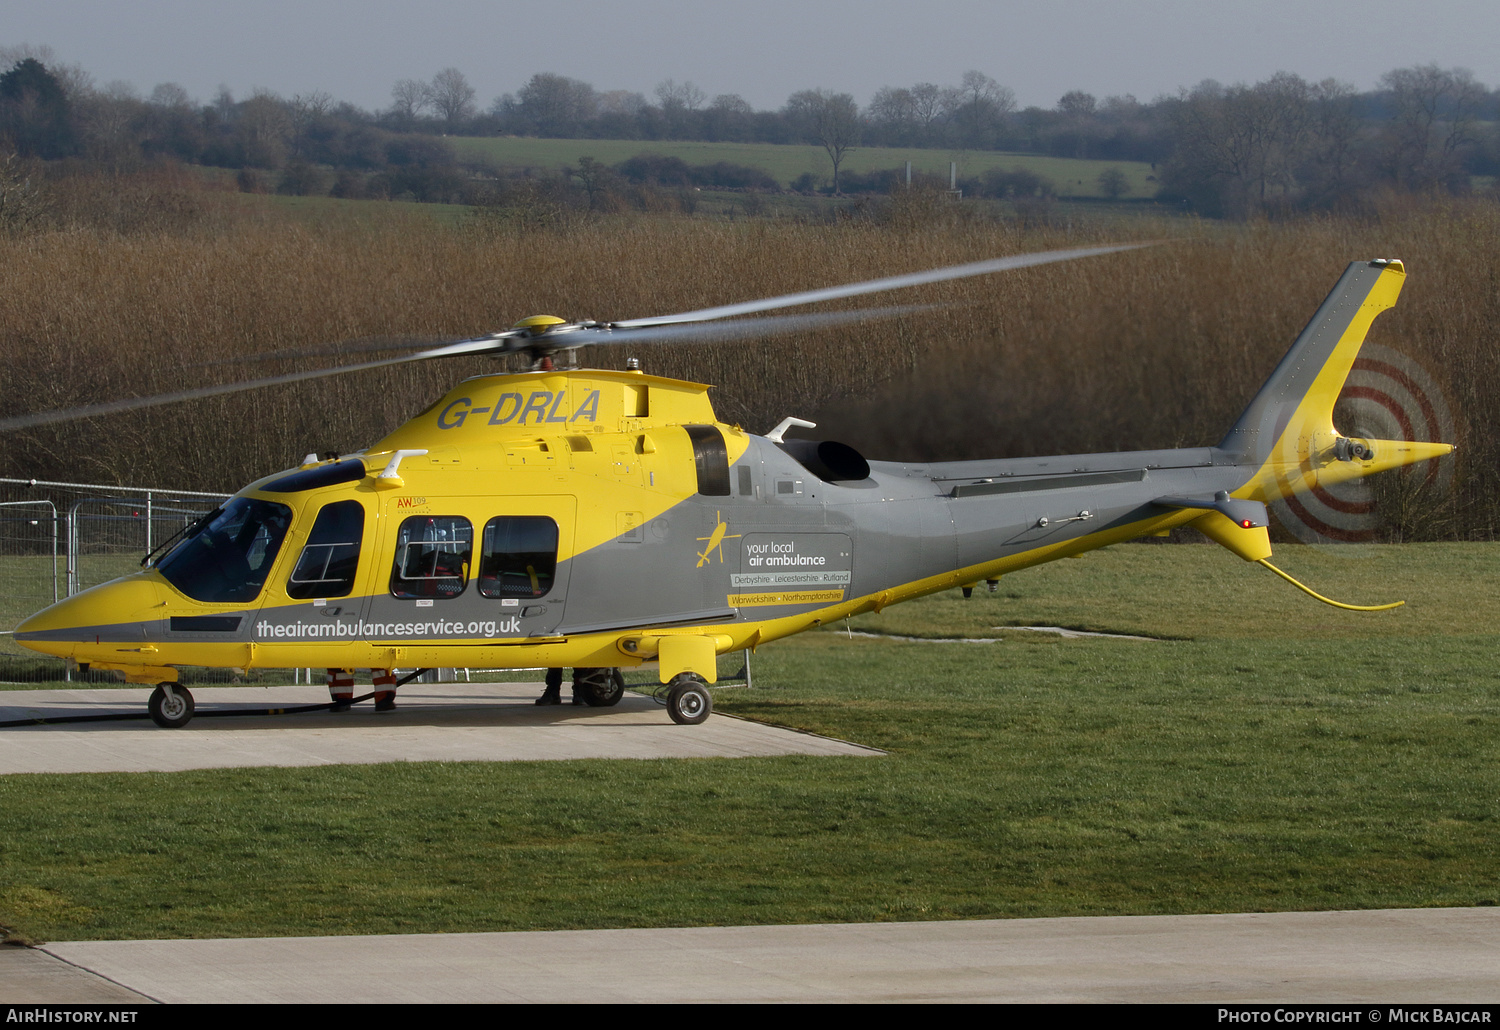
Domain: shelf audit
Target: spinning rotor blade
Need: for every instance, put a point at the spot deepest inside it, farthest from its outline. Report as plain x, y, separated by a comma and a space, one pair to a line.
373, 346
697, 332
43, 418
894, 282
500, 343
678, 328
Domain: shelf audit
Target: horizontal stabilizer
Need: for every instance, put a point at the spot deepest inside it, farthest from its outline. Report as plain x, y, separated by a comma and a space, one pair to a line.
1245, 514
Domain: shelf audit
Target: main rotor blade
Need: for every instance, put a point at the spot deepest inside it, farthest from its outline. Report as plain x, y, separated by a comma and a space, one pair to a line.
716, 332
374, 346
43, 418
894, 282
500, 343
643, 330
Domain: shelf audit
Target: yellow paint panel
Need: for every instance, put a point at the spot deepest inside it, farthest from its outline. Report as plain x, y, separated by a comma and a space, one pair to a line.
787, 597
688, 654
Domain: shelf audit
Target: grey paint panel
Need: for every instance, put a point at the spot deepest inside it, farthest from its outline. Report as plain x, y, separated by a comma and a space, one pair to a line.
1016, 486
948, 472
711, 615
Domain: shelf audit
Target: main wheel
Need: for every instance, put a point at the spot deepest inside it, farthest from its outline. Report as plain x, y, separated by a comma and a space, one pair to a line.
600, 688
170, 710
688, 701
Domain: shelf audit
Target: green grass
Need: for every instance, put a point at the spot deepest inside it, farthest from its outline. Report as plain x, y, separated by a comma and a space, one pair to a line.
1073, 178
29, 584
1204, 592
1324, 766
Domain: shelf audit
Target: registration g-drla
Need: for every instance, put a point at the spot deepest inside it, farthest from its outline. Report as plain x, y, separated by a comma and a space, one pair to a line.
514, 408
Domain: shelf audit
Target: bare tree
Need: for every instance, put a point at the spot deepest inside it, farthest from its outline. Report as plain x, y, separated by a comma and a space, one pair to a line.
1120, 106
110, 124
263, 127
170, 95
1432, 118
1080, 124
678, 102
930, 104
893, 110
621, 101
452, 96
728, 117
828, 119
224, 105
556, 105
980, 103
915, 115
304, 111
598, 181
408, 98
686, 97
1242, 141
1333, 136
1077, 104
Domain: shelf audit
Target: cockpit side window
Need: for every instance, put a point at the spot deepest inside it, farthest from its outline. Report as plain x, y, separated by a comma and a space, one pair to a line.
330, 558
432, 556
228, 558
519, 557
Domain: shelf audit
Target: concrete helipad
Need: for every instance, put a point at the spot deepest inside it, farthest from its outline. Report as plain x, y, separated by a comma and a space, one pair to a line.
435, 722
1404, 956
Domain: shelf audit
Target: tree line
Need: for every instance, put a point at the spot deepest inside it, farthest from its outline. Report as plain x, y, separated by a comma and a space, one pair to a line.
1224, 151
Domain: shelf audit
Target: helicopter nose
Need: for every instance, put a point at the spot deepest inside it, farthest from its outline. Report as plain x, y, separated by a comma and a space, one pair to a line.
117, 610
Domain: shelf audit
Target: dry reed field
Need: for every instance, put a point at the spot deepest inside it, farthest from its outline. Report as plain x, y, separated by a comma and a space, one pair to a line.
1154, 348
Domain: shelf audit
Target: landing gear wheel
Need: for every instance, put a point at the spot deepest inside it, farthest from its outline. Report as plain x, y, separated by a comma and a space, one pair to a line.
170, 710
599, 688
688, 700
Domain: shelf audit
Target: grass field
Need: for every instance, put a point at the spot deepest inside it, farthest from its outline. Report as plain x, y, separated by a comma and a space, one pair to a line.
1072, 178
1273, 755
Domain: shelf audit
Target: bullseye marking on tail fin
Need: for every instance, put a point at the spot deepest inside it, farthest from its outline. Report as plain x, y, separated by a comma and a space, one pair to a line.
1287, 432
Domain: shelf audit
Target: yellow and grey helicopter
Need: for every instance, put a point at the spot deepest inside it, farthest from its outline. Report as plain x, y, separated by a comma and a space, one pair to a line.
569, 517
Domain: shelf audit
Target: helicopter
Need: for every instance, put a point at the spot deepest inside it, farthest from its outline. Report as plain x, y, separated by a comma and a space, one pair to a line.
600, 519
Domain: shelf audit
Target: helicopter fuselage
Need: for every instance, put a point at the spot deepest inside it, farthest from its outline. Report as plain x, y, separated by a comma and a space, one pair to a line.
602, 518
577, 519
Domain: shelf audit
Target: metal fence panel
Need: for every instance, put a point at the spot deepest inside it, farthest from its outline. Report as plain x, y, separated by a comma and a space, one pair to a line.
110, 535
59, 538
30, 577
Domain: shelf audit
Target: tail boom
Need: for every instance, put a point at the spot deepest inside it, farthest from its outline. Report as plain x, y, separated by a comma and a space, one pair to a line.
1287, 433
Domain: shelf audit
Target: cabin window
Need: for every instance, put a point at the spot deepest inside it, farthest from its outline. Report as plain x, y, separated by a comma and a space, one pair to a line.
227, 555
331, 556
432, 556
519, 556
350, 471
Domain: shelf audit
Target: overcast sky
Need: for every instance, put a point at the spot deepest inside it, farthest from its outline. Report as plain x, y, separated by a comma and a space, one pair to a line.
763, 49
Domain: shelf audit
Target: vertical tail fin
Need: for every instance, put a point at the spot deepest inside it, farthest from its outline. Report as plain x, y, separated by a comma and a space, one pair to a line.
1287, 433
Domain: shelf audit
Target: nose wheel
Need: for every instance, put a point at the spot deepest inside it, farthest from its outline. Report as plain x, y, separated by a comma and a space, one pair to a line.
171, 706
